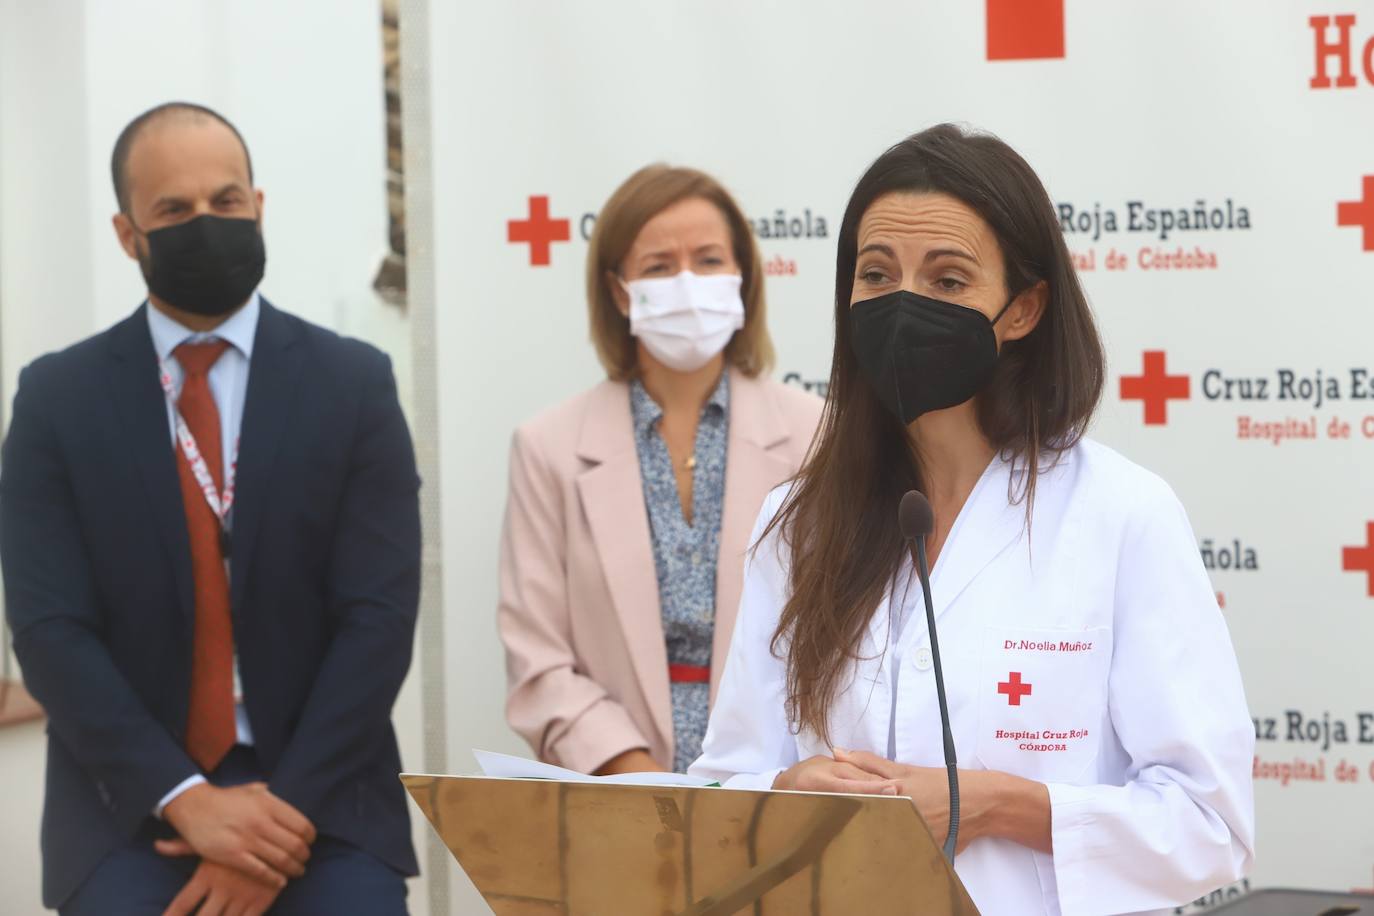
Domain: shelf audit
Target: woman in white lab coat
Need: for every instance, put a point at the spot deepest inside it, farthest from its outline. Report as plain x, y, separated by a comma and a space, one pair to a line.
1101, 730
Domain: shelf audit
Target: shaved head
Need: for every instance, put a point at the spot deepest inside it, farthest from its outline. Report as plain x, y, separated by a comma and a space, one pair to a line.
168, 112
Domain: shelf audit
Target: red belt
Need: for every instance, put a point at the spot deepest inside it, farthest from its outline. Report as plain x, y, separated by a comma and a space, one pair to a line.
689, 674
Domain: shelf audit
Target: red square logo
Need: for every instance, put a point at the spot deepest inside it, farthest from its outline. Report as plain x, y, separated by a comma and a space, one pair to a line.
1025, 29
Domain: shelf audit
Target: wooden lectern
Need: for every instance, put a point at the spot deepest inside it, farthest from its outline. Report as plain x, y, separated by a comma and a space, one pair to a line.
538, 847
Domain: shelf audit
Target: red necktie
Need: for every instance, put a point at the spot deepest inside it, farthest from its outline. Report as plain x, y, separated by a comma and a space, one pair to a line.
210, 727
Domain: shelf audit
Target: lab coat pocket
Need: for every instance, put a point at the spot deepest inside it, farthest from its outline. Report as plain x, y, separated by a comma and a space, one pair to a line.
1042, 699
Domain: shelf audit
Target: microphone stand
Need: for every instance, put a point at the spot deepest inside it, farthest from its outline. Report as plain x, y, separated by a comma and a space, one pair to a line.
951, 764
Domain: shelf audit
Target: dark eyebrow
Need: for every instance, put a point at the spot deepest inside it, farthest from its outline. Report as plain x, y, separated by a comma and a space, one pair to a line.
949, 252
231, 186
878, 247
165, 201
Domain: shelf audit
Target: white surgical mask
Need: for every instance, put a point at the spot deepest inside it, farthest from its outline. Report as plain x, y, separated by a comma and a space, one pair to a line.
685, 320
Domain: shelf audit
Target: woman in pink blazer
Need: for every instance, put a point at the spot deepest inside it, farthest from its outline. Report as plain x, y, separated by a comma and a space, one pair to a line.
630, 504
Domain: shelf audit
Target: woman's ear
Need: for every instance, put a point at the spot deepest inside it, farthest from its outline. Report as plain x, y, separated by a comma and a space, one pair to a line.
1025, 311
618, 293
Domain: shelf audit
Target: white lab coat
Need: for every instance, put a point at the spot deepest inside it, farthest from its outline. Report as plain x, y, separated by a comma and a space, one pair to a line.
1135, 718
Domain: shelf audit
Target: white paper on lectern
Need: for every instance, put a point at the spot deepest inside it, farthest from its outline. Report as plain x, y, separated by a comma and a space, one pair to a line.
507, 766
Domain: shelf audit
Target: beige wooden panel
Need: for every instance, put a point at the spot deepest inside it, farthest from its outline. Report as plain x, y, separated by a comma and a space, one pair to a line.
504, 833
627, 844
537, 848
518, 906
721, 853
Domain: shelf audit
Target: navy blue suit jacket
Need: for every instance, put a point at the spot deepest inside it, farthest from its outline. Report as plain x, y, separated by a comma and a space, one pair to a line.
324, 584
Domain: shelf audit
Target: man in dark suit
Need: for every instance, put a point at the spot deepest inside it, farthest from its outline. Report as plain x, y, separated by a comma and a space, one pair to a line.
209, 529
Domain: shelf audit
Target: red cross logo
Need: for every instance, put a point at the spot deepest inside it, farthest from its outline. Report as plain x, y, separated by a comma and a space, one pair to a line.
538, 230
1361, 559
1025, 29
1013, 688
1359, 213
1155, 387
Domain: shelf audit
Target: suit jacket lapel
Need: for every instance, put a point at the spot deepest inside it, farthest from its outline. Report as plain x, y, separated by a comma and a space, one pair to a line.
751, 471
142, 409
612, 496
273, 375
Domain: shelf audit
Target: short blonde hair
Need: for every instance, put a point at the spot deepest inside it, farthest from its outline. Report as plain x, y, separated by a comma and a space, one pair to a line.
645, 194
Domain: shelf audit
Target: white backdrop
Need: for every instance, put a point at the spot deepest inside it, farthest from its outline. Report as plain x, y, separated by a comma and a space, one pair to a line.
1149, 107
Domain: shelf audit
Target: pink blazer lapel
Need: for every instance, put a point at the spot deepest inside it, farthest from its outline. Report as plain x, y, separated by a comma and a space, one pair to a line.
612, 496
751, 471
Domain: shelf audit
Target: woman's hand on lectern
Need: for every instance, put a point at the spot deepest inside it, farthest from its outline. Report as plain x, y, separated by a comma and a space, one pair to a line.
827, 774
927, 787
991, 803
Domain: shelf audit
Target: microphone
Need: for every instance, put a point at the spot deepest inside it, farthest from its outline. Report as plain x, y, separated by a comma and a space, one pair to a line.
916, 520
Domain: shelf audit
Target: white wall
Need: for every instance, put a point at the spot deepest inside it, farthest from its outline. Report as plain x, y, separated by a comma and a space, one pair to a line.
303, 82
46, 221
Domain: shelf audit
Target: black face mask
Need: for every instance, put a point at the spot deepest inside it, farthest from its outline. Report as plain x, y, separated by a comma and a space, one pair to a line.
207, 266
922, 354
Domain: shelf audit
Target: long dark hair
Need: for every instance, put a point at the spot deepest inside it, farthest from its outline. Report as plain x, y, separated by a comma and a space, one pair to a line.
839, 521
